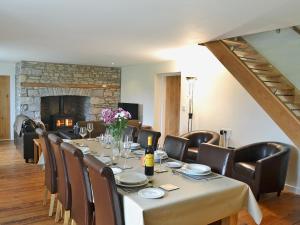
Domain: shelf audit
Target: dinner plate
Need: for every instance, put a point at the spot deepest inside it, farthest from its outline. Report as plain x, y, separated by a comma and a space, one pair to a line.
116, 170
135, 146
105, 160
197, 169
131, 185
151, 193
174, 164
131, 178
139, 152
193, 173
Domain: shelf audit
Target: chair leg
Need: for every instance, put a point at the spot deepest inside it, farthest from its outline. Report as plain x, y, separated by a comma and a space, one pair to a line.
278, 193
73, 222
52, 200
66, 217
58, 211
45, 196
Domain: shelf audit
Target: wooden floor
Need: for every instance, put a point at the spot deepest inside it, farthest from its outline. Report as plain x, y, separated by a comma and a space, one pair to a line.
21, 194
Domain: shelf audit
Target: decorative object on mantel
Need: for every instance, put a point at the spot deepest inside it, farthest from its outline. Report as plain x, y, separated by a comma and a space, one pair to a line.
190, 81
116, 121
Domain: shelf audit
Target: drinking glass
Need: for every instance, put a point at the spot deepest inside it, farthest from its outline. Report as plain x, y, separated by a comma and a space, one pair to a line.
160, 153
126, 149
82, 132
107, 139
90, 128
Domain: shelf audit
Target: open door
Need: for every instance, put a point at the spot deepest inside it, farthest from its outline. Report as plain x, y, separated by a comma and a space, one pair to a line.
4, 108
172, 105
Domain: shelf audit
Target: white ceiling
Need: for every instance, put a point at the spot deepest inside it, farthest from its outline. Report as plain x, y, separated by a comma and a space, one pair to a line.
128, 32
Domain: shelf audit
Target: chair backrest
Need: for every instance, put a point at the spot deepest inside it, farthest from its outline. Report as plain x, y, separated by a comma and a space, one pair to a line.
106, 199
218, 158
143, 137
176, 147
135, 123
99, 127
257, 151
50, 163
81, 206
63, 185
130, 131
202, 136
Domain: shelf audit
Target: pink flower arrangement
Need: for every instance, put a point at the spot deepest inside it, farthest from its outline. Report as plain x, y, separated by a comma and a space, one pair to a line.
110, 116
116, 121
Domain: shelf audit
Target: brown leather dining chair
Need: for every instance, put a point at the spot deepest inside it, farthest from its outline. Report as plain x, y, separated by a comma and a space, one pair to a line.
216, 157
63, 185
50, 169
130, 131
176, 147
82, 207
196, 138
106, 199
143, 137
263, 166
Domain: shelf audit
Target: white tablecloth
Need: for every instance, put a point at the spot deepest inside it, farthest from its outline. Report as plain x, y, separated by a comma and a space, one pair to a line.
194, 203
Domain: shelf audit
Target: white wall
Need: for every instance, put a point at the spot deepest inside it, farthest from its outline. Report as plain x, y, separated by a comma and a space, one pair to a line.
219, 102
8, 69
137, 86
281, 49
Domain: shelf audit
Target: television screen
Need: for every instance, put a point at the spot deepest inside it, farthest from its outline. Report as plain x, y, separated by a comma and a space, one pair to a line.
133, 108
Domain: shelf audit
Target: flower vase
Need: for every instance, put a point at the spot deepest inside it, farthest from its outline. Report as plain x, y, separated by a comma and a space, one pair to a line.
116, 148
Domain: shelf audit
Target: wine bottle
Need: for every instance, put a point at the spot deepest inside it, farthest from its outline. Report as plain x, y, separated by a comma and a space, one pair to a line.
149, 159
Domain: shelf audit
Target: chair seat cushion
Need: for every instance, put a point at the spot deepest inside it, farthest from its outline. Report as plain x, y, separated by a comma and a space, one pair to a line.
246, 169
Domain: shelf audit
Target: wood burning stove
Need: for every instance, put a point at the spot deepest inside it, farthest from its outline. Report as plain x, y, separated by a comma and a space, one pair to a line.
61, 120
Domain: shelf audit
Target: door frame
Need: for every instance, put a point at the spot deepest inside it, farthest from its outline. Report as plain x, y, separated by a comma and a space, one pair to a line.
159, 102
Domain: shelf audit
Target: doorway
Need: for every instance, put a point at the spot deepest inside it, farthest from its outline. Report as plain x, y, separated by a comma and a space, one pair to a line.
5, 108
167, 104
172, 105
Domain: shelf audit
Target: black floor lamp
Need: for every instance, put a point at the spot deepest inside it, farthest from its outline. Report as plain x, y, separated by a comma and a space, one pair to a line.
191, 81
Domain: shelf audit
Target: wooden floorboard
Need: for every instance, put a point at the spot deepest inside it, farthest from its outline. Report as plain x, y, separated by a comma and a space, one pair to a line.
21, 194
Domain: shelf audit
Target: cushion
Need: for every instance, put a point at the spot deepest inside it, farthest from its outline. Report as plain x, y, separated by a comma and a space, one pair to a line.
246, 169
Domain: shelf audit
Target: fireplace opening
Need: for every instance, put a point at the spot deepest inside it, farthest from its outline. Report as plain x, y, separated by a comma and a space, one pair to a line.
62, 112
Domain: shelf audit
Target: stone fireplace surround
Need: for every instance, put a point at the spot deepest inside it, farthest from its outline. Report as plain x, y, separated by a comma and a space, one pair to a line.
40, 79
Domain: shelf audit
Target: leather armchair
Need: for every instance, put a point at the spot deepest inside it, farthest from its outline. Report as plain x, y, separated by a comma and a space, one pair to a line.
218, 158
198, 137
263, 166
24, 133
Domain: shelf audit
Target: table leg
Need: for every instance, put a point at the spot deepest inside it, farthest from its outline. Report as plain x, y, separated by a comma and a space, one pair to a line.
230, 220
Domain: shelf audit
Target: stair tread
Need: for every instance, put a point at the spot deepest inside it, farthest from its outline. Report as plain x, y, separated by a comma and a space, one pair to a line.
235, 43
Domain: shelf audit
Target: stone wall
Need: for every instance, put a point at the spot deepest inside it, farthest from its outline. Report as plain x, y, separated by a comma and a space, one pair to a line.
28, 99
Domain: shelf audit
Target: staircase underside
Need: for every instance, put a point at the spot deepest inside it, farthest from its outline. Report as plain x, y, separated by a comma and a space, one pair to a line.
272, 91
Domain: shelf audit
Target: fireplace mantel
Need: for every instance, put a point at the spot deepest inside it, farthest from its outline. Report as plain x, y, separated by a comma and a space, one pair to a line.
70, 85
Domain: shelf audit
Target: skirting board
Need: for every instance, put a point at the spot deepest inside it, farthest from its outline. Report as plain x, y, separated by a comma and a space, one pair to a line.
293, 189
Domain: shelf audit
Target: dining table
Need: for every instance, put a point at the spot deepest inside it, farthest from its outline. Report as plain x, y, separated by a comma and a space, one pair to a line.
194, 202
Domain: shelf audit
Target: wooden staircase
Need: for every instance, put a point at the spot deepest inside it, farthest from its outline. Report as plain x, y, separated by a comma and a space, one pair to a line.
267, 85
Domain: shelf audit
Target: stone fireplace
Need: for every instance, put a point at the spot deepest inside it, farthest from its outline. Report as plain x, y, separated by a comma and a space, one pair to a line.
85, 89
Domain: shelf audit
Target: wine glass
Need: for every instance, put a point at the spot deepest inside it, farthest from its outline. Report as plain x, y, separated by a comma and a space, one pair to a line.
90, 128
82, 132
126, 147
